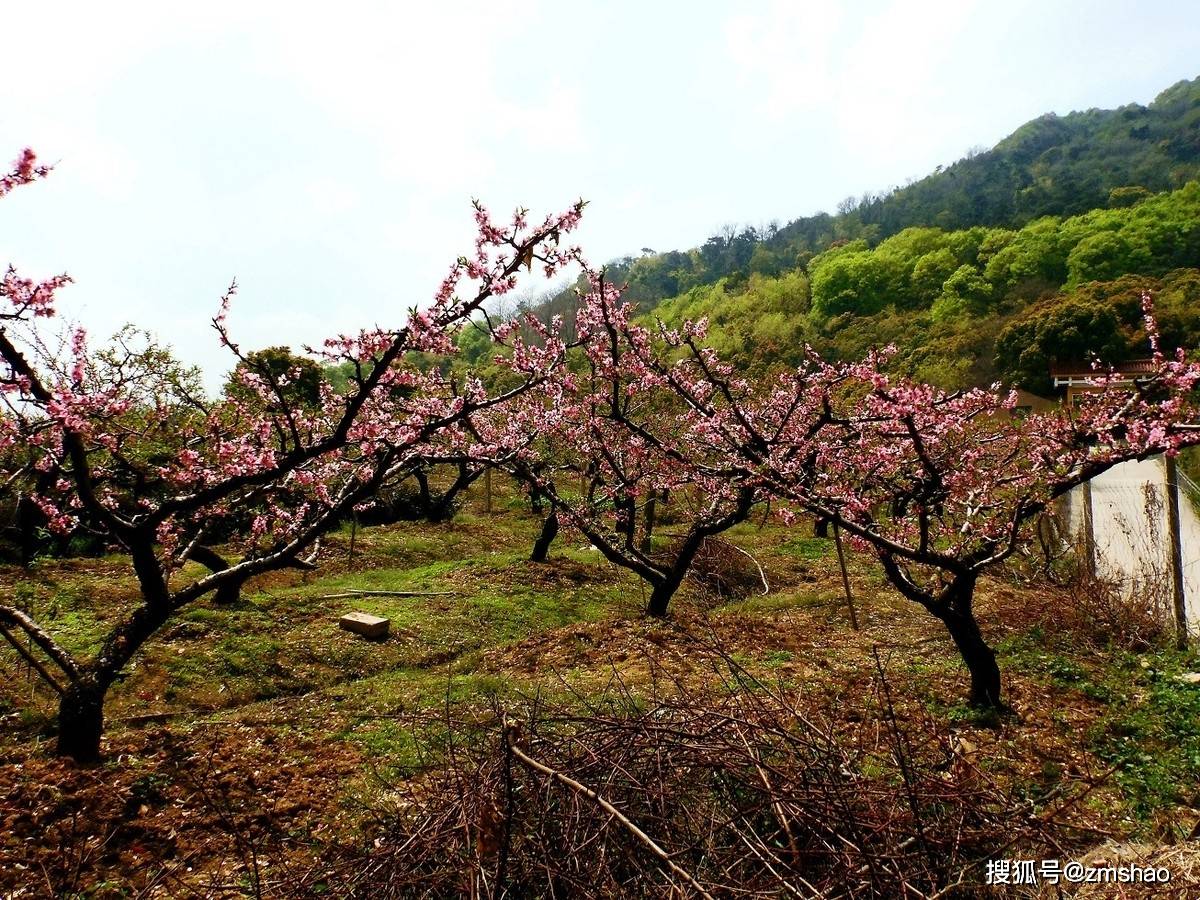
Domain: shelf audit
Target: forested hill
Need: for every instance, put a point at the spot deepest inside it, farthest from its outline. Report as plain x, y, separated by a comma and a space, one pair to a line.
1007, 260
1052, 166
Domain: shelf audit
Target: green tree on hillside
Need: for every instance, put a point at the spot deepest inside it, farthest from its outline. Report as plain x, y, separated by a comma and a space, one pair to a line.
297, 378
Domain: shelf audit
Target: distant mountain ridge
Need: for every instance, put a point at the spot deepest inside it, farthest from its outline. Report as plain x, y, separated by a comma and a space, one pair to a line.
994, 268
1056, 165
1052, 165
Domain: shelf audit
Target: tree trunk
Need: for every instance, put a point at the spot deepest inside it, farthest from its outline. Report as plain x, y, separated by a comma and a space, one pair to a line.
665, 588
978, 656
628, 519
660, 596
423, 498
541, 547
81, 709
230, 591
81, 719
440, 507
29, 519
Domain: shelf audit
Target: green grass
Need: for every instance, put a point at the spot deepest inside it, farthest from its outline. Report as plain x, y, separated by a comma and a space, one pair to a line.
810, 548
66, 609
1151, 731
1149, 726
963, 713
284, 641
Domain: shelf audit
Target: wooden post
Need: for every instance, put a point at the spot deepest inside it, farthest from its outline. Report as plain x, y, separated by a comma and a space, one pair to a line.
487, 491
837, 539
1089, 533
647, 544
1176, 551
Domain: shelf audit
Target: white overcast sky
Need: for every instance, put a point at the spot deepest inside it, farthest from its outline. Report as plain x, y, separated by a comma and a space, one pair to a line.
326, 154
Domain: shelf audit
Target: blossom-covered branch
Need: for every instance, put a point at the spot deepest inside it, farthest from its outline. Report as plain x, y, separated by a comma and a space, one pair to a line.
139, 460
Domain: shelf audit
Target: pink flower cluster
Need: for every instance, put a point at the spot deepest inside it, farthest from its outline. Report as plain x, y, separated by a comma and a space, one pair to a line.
24, 170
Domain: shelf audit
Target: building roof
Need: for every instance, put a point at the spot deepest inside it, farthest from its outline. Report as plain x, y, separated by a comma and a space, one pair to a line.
1076, 373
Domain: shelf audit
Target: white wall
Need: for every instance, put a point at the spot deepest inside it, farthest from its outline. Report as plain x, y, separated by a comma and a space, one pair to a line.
1129, 518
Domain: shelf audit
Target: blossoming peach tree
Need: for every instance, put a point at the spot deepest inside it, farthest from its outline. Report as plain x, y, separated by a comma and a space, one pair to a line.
938, 485
612, 442
159, 473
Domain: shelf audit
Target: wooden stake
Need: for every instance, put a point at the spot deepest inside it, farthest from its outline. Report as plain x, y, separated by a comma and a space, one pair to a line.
487, 491
1181, 618
837, 540
1089, 532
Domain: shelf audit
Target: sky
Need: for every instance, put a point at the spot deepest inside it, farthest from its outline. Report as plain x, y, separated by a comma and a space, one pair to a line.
326, 155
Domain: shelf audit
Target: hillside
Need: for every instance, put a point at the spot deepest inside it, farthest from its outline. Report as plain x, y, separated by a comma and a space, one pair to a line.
1055, 165
1037, 236
970, 306
1052, 166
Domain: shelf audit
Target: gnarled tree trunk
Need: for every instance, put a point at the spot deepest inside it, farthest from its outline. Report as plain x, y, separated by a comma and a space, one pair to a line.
957, 614
81, 708
663, 591
953, 606
541, 546
81, 719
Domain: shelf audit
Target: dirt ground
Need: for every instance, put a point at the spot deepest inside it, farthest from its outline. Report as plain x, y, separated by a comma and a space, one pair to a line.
251, 787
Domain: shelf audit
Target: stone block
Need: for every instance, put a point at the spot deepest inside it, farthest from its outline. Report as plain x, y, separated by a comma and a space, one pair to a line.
365, 624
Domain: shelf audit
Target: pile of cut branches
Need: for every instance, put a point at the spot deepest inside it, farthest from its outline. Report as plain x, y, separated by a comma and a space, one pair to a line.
742, 793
